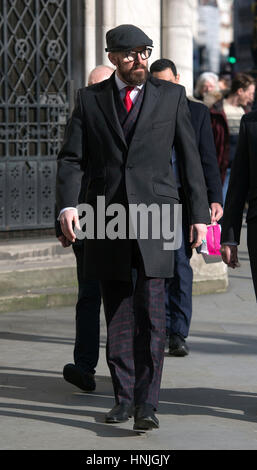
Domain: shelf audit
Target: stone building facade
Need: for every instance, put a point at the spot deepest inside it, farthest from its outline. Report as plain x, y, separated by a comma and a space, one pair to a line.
170, 23
47, 49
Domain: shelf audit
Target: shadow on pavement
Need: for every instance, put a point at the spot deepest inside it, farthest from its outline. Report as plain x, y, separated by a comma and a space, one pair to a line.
51, 390
230, 404
30, 337
73, 408
236, 344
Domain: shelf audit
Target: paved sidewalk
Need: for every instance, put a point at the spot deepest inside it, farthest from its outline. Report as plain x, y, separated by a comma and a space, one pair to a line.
208, 400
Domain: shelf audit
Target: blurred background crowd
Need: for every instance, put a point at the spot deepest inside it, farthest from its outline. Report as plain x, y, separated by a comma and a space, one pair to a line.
225, 59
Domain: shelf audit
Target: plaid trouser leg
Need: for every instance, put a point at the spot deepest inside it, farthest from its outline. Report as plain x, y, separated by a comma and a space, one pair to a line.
118, 306
136, 335
150, 333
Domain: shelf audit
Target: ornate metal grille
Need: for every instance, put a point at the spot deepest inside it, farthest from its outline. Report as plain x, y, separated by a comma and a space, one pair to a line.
34, 103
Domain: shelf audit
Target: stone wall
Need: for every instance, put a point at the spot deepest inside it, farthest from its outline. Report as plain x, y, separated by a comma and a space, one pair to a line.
170, 23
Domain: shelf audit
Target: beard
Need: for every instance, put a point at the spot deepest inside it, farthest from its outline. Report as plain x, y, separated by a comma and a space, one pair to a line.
137, 75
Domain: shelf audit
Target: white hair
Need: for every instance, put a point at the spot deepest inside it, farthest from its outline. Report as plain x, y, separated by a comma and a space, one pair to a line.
204, 77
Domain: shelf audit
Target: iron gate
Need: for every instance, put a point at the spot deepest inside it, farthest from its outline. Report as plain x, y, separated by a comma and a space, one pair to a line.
35, 74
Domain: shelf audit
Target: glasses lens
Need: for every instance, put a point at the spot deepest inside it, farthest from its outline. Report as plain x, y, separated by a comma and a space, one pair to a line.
146, 53
132, 55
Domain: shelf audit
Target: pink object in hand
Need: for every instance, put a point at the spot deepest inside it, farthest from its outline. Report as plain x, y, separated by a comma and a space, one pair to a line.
213, 239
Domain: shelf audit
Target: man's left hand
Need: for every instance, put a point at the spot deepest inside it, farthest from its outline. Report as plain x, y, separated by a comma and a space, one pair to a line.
230, 256
216, 212
197, 233
64, 241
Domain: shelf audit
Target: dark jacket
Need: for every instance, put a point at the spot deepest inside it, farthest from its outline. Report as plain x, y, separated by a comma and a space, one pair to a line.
134, 174
221, 136
243, 181
200, 118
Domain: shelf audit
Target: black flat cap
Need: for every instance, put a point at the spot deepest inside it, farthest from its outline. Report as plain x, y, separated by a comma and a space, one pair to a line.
125, 37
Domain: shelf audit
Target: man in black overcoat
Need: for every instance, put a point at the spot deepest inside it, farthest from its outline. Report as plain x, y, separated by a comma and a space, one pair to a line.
179, 288
121, 132
242, 187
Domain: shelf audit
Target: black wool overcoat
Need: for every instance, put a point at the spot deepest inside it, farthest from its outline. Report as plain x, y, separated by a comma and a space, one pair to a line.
201, 121
243, 181
94, 142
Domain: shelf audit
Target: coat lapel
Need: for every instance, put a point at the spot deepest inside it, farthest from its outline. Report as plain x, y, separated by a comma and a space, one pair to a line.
151, 96
105, 99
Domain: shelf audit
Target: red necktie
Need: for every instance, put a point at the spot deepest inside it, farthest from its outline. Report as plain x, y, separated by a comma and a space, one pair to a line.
127, 100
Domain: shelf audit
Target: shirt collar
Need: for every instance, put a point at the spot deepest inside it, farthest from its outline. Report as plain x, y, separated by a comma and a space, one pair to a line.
120, 84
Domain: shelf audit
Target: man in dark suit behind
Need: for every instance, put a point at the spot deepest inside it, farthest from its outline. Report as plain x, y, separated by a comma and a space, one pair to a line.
123, 130
242, 186
87, 326
179, 288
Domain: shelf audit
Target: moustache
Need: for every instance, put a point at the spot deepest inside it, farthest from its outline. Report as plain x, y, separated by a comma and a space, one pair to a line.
139, 66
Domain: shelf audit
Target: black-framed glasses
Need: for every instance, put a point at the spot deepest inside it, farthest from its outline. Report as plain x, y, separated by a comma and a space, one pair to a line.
130, 56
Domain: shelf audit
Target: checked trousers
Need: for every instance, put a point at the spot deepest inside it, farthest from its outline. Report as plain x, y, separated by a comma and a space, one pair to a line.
135, 317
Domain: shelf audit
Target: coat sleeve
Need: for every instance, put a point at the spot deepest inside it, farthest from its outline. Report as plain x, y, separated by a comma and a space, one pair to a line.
191, 171
71, 160
221, 141
209, 161
237, 190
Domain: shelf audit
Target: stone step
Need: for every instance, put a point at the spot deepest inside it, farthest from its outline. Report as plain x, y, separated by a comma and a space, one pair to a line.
36, 274
40, 248
208, 278
43, 274
41, 298
25, 279
35, 264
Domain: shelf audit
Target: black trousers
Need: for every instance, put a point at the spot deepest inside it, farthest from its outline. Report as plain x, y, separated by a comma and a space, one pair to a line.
252, 249
178, 290
86, 350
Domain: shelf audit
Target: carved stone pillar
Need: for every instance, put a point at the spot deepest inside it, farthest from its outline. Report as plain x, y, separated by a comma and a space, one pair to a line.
108, 22
178, 23
90, 37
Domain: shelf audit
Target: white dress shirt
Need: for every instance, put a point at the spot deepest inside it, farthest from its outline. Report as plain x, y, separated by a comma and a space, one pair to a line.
121, 87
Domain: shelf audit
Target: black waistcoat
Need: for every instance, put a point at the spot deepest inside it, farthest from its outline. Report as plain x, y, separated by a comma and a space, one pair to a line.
128, 120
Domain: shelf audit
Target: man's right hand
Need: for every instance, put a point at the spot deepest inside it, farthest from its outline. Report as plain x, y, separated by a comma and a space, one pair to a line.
67, 218
197, 233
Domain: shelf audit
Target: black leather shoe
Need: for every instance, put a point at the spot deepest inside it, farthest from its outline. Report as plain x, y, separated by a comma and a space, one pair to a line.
119, 413
76, 376
178, 346
145, 419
